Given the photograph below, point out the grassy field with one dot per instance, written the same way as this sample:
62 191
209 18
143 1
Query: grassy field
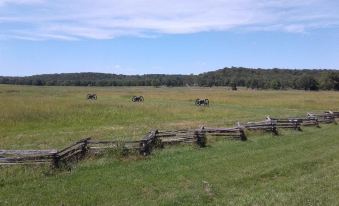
297 168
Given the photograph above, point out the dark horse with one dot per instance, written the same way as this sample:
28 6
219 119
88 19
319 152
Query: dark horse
137 99
202 102
92 96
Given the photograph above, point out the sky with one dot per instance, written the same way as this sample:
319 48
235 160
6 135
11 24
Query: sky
166 36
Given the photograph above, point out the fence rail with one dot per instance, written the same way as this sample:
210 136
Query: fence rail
159 139
10 157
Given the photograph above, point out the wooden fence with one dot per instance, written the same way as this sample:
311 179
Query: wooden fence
159 139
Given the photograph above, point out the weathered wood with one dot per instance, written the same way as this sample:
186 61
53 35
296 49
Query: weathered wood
285 123
335 114
26 159
221 130
70 152
7 161
236 133
177 141
306 122
37 158
148 143
175 131
28 152
111 141
23 163
267 126
225 134
75 144
75 151
25 156
325 118
200 137
176 137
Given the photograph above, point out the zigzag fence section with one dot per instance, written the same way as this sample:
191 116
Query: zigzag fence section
160 139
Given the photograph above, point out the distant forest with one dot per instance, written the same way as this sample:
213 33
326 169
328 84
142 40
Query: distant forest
234 76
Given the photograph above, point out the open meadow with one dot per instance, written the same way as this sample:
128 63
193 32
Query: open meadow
295 168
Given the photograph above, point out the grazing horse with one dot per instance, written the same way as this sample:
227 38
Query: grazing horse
202 102
91 96
137 99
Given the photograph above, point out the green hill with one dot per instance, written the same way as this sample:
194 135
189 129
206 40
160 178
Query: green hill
245 77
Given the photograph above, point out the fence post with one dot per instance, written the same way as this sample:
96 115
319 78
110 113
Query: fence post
274 127
200 137
241 131
147 143
56 160
297 125
84 148
144 149
242 134
157 141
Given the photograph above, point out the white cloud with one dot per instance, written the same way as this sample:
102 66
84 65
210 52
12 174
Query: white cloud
105 19
4 2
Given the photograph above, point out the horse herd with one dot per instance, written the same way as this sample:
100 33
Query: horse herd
198 101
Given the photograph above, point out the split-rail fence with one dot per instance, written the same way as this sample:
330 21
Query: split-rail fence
160 139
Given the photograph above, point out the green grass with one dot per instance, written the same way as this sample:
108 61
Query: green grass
296 168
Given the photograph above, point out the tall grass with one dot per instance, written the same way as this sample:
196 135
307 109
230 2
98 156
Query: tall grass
45 117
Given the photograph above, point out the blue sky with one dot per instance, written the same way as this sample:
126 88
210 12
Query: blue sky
158 36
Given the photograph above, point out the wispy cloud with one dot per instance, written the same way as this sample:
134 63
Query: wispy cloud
3 2
106 19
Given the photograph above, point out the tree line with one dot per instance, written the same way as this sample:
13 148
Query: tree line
235 76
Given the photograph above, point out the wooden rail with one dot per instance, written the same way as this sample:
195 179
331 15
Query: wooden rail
176 137
236 133
9 157
336 114
285 123
28 152
306 121
266 126
325 118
